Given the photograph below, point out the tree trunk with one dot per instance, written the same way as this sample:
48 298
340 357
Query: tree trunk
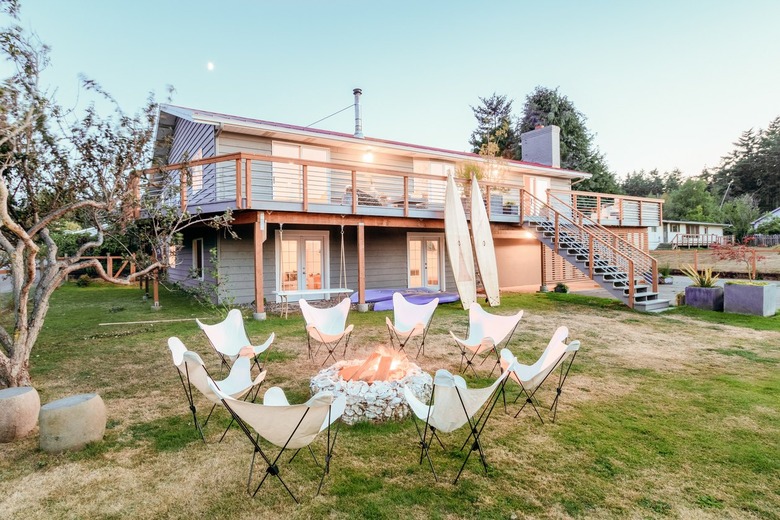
14 373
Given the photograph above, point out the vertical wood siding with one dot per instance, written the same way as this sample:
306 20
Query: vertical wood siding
188 138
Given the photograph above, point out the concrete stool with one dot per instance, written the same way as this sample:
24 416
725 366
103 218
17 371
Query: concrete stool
72 422
19 407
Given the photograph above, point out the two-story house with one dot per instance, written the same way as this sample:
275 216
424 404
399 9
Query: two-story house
317 209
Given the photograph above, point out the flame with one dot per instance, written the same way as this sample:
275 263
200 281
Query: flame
384 364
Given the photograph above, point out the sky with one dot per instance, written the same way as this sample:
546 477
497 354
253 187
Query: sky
663 84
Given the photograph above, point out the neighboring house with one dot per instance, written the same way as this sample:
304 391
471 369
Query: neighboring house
685 233
775 213
301 196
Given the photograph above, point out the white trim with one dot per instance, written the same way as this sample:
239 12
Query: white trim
299 234
201 277
411 235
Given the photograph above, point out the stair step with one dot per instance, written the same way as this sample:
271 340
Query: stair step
652 306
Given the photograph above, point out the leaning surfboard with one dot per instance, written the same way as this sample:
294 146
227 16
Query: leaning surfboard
456 231
484 249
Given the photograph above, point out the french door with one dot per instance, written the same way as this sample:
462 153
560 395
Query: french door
425 260
302 260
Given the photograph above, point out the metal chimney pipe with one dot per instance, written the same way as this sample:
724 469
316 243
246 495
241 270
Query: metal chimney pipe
358 114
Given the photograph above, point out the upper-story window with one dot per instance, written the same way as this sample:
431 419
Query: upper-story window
288 178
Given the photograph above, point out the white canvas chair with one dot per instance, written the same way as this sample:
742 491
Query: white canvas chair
410 321
228 337
486 332
327 327
192 372
530 378
453 405
286 426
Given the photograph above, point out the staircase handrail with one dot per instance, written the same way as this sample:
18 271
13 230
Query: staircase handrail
592 237
628 245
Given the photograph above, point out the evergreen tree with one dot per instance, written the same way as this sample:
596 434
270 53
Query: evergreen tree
546 106
495 128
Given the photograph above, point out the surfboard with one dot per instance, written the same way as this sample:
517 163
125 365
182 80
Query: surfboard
456 232
484 249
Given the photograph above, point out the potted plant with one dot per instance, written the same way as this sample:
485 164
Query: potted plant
749 297
665 275
510 208
703 293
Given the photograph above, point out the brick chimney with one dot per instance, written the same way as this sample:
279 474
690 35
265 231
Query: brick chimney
542 146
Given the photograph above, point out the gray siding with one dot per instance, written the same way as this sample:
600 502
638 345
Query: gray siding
181 273
188 138
386 260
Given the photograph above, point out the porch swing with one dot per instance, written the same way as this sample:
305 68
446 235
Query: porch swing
285 295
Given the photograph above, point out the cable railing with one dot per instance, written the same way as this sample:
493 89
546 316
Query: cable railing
614 210
644 264
567 226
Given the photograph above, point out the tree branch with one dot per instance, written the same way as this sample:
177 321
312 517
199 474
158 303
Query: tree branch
64 210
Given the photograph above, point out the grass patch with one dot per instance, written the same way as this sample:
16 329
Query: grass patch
771 323
653 421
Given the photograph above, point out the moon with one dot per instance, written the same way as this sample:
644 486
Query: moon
210 65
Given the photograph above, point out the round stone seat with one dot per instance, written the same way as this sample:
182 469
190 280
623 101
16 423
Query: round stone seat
19 407
72 422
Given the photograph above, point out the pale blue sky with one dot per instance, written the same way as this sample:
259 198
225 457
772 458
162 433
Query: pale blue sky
664 84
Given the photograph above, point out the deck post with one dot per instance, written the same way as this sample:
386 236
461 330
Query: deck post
248 174
354 192
239 196
260 236
543 286
183 189
156 291
361 246
305 181
406 196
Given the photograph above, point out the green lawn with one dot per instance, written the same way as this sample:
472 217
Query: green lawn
673 415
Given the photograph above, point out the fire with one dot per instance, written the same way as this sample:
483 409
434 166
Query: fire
383 365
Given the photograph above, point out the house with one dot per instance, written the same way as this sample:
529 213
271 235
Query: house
316 209
685 233
775 213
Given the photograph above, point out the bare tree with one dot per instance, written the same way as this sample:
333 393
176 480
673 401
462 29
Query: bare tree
55 164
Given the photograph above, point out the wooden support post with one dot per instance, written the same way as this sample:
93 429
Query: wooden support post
239 194
631 282
557 232
156 290
543 286
354 192
110 266
183 190
361 239
590 256
487 200
258 261
248 175
305 187
406 196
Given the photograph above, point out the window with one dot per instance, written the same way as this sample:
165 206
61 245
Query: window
674 228
693 229
197 171
197 258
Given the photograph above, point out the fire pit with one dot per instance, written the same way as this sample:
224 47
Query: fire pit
374 386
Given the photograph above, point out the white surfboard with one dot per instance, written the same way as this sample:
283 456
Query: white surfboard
456 231
484 249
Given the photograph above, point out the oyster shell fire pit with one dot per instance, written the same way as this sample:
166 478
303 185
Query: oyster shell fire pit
374 386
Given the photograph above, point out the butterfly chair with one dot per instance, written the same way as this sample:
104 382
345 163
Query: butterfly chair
530 378
453 405
486 332
289 427
327 327
410 321
192 372
228 337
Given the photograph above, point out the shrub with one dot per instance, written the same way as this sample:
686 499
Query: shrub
84 281
561 288
700 279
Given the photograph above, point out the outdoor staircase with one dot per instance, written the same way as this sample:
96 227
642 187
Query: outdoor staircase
618 267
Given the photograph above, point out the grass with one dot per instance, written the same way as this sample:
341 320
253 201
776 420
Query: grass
661 417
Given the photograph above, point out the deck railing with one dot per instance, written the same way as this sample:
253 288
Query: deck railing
251 181
700 240
569 222
612 210
644 264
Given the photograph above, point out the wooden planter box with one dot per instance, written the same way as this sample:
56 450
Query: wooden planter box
757 299
706 298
